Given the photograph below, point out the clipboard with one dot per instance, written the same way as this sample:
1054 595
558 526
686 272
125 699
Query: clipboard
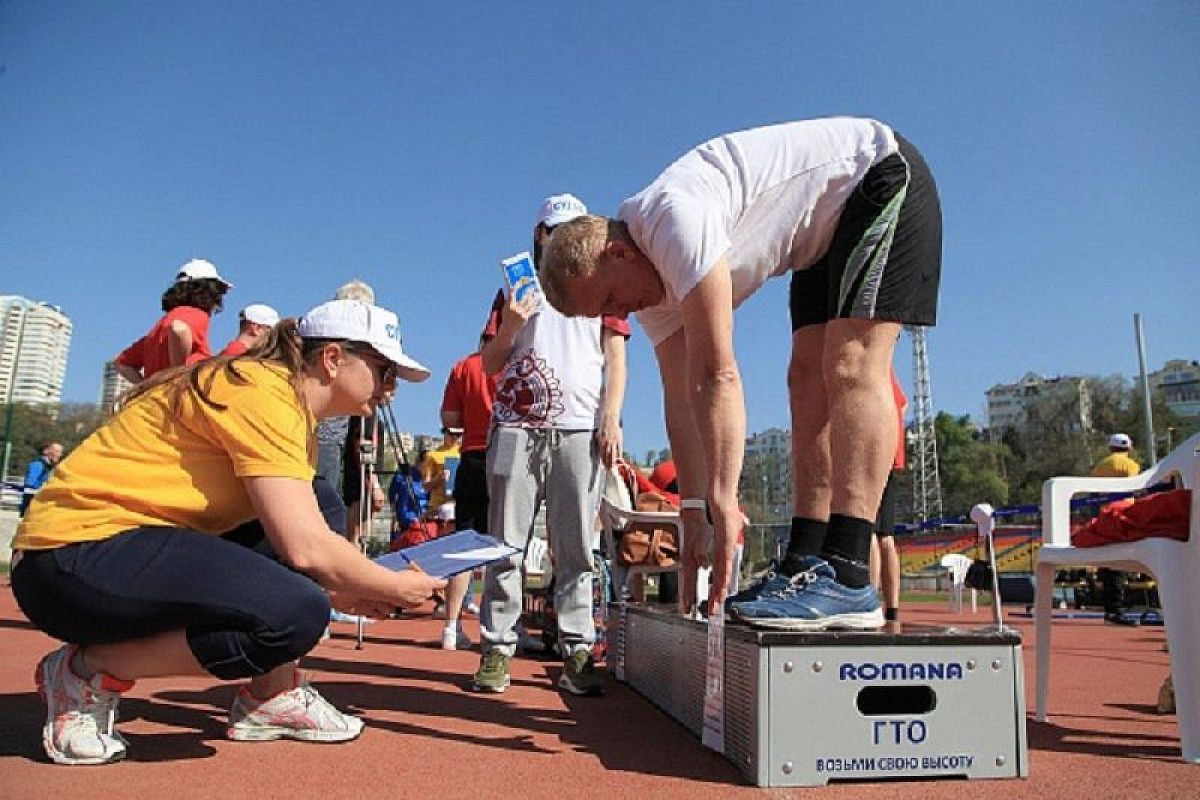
449 555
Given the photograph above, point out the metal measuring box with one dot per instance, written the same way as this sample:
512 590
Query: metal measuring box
807 709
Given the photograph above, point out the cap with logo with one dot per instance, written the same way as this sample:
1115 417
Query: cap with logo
260 314
1120 441
560 208
362 322
198 269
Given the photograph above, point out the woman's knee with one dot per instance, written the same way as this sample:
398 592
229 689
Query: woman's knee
269 643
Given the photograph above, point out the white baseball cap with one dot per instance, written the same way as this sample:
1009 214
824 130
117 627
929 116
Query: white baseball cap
362 322
1120 440
559 208
199 269
260 314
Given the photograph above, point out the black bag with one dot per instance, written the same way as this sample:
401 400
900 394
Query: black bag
979 573
979 576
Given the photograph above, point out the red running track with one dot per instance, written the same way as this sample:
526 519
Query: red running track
428 736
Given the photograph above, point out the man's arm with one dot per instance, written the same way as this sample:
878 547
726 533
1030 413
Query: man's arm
131 374
714 393
179 342
688 454
513 317
615 375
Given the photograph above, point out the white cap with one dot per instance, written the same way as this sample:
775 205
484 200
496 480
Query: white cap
559 208
445 512
362 322
199 269
260 314
1120 441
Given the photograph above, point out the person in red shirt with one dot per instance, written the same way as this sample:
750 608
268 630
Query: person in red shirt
254 321
467 409
181 335
885 558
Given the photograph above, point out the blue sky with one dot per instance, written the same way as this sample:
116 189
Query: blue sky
299 144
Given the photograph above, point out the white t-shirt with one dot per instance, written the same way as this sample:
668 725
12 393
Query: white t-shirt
554 376
768 199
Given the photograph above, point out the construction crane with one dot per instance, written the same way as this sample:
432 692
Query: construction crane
927 489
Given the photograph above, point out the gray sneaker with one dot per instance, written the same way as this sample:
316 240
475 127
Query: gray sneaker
579 675
492 675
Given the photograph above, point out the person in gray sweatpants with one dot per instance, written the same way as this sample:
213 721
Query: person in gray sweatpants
555 423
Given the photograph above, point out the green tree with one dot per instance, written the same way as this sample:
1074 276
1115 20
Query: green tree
969 466
33 426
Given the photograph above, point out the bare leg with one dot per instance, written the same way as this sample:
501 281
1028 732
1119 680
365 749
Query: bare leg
456 591
167 654
876 567
811 471
889 563
862 413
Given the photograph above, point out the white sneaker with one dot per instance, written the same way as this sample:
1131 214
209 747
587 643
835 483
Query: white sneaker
79 714
299 713
472 609
353 619
456 639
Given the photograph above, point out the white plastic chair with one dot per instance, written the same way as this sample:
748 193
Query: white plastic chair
614 519
537 557
958 564
1175 566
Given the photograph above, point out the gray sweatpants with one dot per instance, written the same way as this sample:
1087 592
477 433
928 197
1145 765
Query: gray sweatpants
526 467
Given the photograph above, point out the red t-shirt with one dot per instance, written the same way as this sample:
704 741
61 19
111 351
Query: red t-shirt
150 353
235 348
469 392
901 403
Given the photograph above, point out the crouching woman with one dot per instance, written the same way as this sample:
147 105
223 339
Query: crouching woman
185 537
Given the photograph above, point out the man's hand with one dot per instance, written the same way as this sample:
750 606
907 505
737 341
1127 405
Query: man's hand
608 439
727 523
517 312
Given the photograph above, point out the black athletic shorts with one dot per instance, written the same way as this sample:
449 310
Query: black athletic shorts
885 522
885 258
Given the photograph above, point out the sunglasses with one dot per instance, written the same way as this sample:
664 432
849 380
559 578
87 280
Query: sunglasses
384 369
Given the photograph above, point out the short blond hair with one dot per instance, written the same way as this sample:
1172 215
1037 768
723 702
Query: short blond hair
355 290
572 252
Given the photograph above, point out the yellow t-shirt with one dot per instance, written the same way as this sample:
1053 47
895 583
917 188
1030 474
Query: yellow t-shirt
1116 465
149 466
433 468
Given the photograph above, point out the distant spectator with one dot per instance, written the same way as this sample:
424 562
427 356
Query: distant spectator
440 466
39 471
181 335
254 321
333 433
467 407
885 558
1118 463
408 497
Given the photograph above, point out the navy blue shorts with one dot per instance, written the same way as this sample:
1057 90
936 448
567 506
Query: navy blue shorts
244 613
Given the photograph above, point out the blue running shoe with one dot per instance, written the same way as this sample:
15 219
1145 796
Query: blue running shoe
770 581
813 600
